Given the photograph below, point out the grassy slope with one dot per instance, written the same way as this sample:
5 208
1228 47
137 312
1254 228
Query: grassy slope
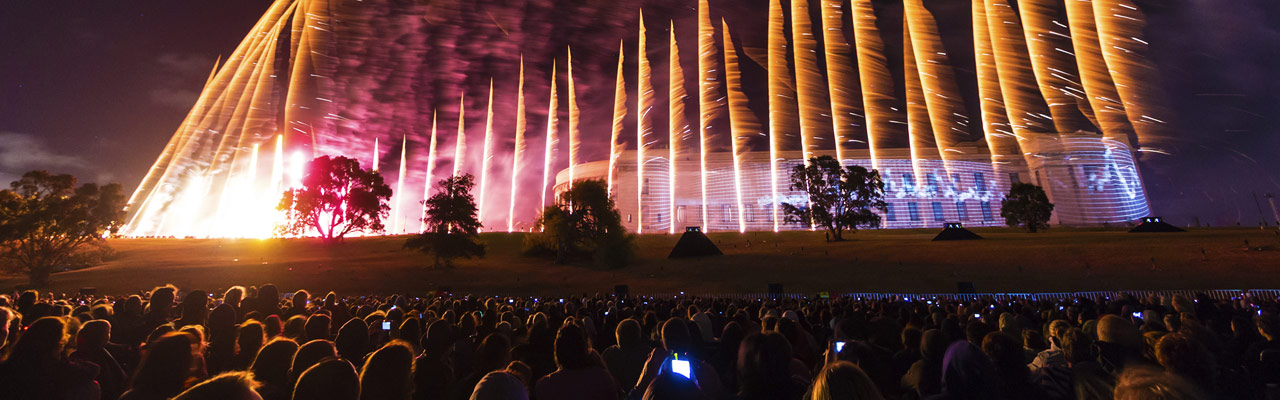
898 260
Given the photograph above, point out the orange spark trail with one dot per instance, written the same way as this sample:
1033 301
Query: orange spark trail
919 128
741 121
619 113
1000 139
553 123
1120 25
644 127
575 137
941 96
460 145
839 58
782 105
810 94
1027 110
431 167
877 83
678 126
487 156
1108 111
518 151
709 100
1049 46
397 224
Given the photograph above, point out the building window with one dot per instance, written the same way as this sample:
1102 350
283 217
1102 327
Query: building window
961 212
932 180
643 212
1013 178
909 182
937 212
979 181
680 217
646 186
726 213
888 213
986 211
749 216
913 211
955 182
628 217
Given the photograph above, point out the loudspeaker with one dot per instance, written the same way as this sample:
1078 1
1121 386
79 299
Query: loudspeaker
775 288
965 287
621 290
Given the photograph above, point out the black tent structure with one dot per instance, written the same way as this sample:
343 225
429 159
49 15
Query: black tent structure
694 243
954 231
1155 225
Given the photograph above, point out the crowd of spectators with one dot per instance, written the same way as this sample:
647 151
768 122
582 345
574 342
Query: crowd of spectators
255 343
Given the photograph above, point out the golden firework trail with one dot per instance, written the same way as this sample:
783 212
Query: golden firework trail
709 100
431 167
575 136
841 77
553 125
742 121
1108 112
396 223
460 145
1120 25
277 168
995 122
941 95
1049 47
487 156
1027 110
782 99
518 151
644 126
810 94
678 126
619 114
919 129
876 81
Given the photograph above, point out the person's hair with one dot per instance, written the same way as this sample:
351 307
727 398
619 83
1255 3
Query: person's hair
300 295
764 361
296 328
499 385
1114 329
1186 357
1006 353
271 366
933 345
493 354
249 337
93 334
675 336
1076 346
309 354
388 373
628 333
1150 384
1057 328
330 379
42 342
162 296
843 380
234 385
166 365
572 347
911 337
317 327
438 339
353 339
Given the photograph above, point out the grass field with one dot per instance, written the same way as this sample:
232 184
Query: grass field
879 261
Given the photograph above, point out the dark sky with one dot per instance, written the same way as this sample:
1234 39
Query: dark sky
96 88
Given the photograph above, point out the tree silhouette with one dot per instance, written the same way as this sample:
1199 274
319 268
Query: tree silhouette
1026 205
584 223
840 197
337 197
452 226
45 219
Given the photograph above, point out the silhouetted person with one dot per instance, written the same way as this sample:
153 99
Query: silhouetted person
580 373
165 368
235 385
330 379
271 367
842 380
35 368
764 368
91 347
625 360
432 376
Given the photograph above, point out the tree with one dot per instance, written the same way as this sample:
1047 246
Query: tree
583 224
840 197
337 197
452 225
45 219
1026 205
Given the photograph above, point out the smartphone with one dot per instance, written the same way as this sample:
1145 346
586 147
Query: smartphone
978 316
561 300
839 346
1137 314
386 325
681 367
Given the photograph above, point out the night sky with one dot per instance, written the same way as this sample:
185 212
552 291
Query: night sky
96 88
